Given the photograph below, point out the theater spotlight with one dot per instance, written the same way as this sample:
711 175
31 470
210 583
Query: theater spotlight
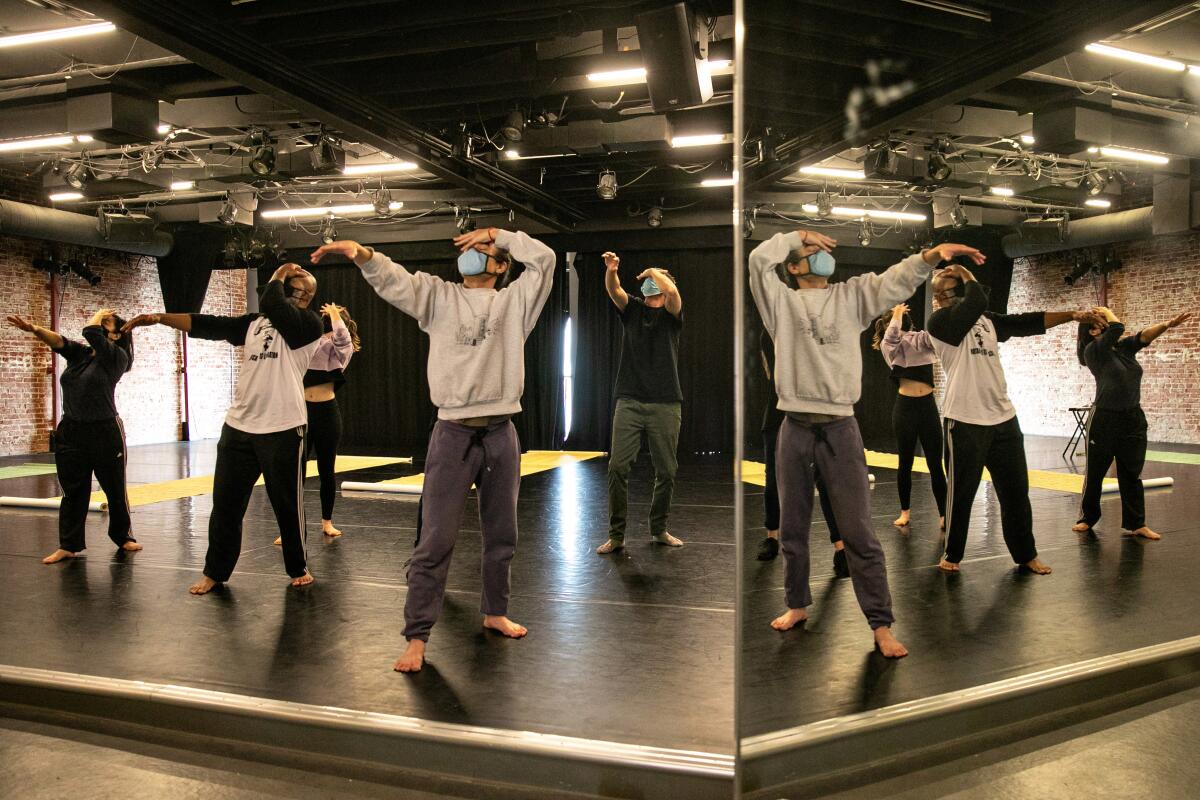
262 162
824 205
513 128
655 217
864 234
77 175
937 168
749 217
1082 267
80 268
383 203
327 157
606 187
1096 181
231 254
958 215
328 233
227 215
466 223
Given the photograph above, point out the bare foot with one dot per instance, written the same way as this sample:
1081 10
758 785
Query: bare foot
1037 567
667 539
1081 527
789 619
947 566
888 645
203 586
1146 533
131 547
303 580
58 555
505 626
611 546
942 523
328 529
413 658
902 520
278 541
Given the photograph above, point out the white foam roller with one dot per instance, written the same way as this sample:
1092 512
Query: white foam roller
1147 483
44 502
391 488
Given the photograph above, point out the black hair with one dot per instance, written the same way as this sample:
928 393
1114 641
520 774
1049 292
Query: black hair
1083 339
502 256
881 325
786 276
125 342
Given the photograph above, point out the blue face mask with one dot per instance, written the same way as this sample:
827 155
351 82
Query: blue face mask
472 262
650 288
821 264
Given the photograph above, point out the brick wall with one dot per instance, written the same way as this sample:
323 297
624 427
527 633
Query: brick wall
1157 281
150 396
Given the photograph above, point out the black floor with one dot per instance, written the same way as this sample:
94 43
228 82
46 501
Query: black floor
1108 593
636 648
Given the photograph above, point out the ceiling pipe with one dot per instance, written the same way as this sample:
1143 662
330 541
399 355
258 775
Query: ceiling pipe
53 225
51 77
1120 226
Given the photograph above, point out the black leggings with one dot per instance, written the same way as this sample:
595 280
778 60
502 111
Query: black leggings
1120 435
916 418
771 490
324 431
81 449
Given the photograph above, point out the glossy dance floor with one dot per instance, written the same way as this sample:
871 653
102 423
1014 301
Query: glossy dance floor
1108 594
636 648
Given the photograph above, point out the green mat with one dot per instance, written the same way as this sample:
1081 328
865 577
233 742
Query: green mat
26 470
1172 458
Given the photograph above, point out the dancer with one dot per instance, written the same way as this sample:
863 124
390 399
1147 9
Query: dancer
818 374
915 413
477 331
91 437
648 398
265 426
768 548
322 382
981 424
1117 425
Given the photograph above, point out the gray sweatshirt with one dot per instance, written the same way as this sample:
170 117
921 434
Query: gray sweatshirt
476 336
818 360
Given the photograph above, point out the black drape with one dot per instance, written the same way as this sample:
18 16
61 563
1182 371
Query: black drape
183 274
705 347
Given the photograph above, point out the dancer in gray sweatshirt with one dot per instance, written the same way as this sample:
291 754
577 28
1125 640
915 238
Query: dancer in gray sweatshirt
818 377
477 331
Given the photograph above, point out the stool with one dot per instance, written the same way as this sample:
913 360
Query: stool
1080 415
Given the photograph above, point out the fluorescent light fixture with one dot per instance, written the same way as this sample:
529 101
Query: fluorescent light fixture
872 213
36 37
1093 149
378 169
63 197
1096 202
700 139
1140 58
719 64
322 211
1002 191
1195 70
164 129
182 186
717 182
635 75
1134 155
36 144
1027 139
515 155
835 172
85 138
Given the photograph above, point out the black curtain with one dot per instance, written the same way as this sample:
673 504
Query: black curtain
183 274
705 347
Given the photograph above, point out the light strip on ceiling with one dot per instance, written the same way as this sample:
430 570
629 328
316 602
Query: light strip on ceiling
701 139
1134 155
872 213
182 186
618 77
1140 58
710 182
37 37
1002 191
44 141
835 172
1096 202
65 197
378 169
322 211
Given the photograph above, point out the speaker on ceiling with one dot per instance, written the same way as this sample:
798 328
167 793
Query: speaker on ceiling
677 73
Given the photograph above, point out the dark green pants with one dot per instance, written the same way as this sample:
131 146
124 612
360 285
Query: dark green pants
660 421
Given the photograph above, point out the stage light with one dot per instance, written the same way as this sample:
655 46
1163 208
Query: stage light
326 156
1082 267
749 217
870 213
65 197
1140 58
58 34
655 218
1134 155
864 234
465 223
36 144
77 175
958 214
1001 191
164 129
513 128
328 232
231 254
383 203
1096 181
835 172
606 186
635 75
227 215
1096 202
182 186
320 211
1027 139
383 168
936 167
262 162
80 268
700 140
824 205
710 182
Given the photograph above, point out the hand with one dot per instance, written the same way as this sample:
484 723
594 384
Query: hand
611 261
475 240
648 273
22 324
898 311
1174 323
288 271
332 310
1091 317
813 241
960 272
1105 314
99 317
949 252
141 321
344 247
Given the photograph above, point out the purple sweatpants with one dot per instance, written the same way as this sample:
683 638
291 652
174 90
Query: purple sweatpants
459 456
836 448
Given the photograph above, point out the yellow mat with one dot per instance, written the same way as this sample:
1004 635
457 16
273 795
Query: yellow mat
147 493
754 472
531 462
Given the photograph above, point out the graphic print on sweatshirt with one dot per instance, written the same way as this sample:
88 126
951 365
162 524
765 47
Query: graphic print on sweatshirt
978 330
476 333
263 328
821 334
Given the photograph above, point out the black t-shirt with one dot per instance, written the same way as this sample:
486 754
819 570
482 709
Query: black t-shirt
922 373
649 354
90 380
1113 361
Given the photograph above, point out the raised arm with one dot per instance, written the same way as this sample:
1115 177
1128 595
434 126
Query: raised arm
199 326
112 358
880 291
950 324
341 343
612 281
46 336
673 302
412 293
904 349
765 285
298 326
1148 335
536 281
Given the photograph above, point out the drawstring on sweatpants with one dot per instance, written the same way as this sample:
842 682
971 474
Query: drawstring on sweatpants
819 435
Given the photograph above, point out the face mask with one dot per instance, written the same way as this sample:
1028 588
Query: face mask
650 288
472 262
821 264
